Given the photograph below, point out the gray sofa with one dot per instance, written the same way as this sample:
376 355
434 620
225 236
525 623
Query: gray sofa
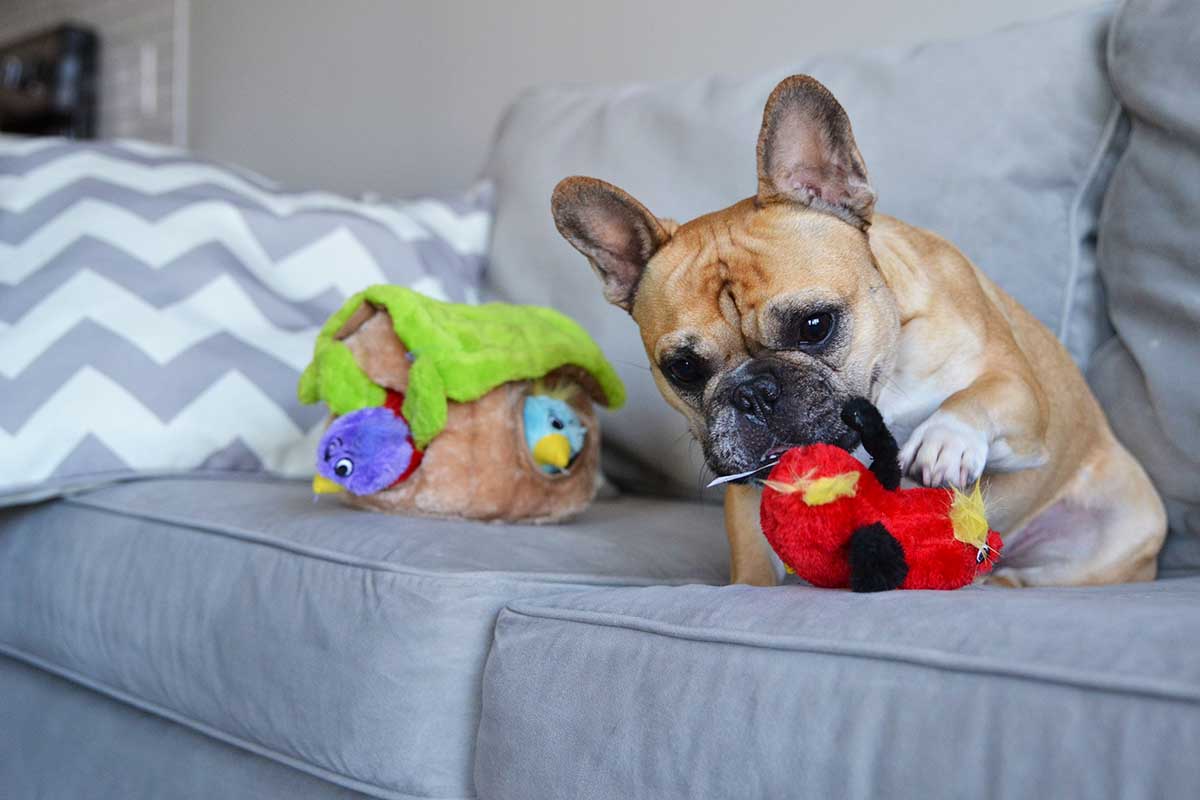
198 637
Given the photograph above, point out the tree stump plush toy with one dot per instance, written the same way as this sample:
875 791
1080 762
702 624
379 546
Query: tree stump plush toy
452 410
836 523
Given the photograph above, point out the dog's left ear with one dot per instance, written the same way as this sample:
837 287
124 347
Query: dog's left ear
807 153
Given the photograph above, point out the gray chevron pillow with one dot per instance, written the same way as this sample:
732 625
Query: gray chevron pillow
156 310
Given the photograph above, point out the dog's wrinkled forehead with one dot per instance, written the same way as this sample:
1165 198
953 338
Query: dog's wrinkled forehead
727 277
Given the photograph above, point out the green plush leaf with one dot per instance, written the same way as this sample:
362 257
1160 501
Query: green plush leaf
460 353
335 377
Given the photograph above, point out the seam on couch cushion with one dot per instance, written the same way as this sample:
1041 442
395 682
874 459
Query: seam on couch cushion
900 654
345 559
85 482
1110 49
1087 185
215 733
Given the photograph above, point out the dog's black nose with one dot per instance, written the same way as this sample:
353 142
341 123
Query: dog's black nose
756 396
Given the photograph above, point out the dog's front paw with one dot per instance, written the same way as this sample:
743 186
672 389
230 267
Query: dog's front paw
945 451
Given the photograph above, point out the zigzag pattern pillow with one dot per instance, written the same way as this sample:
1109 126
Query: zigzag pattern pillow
156 310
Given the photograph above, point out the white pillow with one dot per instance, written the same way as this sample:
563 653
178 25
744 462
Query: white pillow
156 310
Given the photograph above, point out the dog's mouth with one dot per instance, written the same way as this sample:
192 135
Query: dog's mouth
773 454
770 457
847 441
743 477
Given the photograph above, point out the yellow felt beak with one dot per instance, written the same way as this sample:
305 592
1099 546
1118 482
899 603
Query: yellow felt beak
552 450
322 485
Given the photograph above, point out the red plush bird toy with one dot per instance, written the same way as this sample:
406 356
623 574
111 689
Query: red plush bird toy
838 524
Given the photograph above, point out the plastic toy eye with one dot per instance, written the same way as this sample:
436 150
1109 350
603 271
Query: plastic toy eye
343 468
557 424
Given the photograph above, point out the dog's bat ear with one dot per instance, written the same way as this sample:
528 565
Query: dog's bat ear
616 233
807 153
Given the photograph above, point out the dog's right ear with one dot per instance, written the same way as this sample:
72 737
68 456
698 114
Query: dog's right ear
616 233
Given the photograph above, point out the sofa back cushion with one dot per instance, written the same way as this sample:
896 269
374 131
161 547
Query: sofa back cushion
1001 144
156 310
1149 255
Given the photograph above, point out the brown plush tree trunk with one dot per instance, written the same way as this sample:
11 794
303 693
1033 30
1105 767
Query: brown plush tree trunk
479 466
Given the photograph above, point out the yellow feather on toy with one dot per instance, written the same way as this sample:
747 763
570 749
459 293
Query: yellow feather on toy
968 517
826 490
819 491
559 390
798 483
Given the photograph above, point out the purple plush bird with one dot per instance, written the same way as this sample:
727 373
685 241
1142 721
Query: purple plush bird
364 452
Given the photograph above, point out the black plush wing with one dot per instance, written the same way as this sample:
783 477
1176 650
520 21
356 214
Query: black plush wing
864 418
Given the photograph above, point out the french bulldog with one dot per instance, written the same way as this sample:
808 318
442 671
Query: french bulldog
762 319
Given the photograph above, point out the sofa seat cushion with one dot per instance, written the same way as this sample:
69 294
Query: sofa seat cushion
344 643
793 691
123 753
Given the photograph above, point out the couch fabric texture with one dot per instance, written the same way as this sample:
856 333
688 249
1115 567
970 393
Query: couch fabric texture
115 750
1076 694
1149 255
168 291
345 644
1020 197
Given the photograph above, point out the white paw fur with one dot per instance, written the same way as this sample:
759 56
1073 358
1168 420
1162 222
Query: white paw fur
945 451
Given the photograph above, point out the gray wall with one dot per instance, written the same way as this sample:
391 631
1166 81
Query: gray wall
143 43
401 97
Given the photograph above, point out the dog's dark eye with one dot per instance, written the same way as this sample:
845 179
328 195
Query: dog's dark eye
815 328
685 370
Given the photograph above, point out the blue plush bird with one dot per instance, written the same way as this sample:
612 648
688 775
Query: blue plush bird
553 432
